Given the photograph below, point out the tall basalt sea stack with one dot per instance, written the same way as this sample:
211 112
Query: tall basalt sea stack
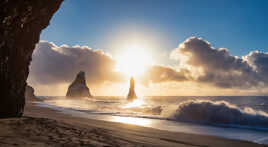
79 87
131 94
21 22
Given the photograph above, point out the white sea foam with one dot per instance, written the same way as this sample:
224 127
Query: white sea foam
219 112
216 112
245 117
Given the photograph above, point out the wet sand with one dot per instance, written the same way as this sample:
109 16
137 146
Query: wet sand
43 127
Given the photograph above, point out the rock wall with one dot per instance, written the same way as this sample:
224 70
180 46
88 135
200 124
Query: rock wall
21 22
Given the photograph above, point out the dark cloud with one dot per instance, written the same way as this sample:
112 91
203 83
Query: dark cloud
218 67
259 62
52 64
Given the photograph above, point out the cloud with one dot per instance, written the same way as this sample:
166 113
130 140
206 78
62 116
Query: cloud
259 62
52 64
160 73
198 63
216 66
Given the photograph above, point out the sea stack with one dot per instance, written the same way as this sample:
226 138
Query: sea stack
131 94
79 88
29 93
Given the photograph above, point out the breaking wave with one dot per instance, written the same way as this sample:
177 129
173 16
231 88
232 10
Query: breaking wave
220 113
211 112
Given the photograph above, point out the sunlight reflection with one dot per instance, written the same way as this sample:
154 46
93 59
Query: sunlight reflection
136 103
132 120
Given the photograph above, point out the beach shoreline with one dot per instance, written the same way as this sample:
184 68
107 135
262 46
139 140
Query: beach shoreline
42 126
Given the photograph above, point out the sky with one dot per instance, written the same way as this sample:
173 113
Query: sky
163 28
237 25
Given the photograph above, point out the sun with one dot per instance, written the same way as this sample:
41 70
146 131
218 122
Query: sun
134 61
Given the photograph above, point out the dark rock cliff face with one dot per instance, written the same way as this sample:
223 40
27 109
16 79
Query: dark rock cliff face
131 94
21 22
79 87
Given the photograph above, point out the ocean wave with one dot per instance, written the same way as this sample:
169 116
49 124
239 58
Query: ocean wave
221 113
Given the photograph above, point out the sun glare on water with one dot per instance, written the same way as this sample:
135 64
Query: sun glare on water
134 61
132 120
135 103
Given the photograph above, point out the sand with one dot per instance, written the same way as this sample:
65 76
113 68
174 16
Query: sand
42 127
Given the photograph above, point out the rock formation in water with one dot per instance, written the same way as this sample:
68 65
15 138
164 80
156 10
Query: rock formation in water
155 111
29 94
79 87
21 22
131 93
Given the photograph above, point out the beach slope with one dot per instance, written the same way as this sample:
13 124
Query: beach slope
42 127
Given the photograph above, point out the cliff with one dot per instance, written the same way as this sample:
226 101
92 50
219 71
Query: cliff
79 88
21 22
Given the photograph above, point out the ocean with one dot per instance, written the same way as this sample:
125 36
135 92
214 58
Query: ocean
234 117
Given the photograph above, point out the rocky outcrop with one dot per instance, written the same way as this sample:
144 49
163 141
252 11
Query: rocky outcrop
29 94
21 22
79 87
155 111
131 94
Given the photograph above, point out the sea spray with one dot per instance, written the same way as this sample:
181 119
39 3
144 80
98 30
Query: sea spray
109 108
216 112
219 112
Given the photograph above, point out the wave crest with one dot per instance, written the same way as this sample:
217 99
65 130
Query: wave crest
219 112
